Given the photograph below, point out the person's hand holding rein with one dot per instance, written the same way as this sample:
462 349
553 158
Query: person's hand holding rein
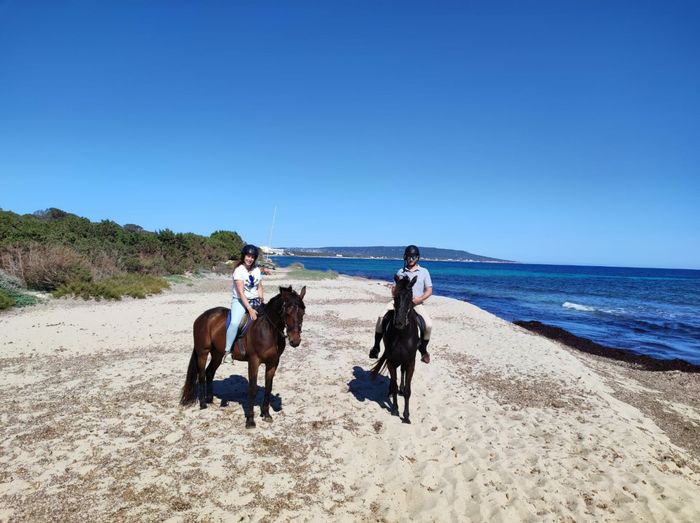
253 313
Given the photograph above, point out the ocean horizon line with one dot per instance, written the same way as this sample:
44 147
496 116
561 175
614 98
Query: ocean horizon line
493 262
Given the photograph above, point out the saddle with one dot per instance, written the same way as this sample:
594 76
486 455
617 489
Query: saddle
244 325
388 323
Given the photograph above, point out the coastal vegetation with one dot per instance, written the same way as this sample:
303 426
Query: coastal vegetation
57 252
299 272
304 274
114 287
13 293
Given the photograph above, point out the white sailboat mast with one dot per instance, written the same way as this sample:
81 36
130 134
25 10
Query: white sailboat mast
272 227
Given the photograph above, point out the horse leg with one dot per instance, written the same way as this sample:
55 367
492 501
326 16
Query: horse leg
216 358
201 379
269 376
253 365
393 389
403 381
407 392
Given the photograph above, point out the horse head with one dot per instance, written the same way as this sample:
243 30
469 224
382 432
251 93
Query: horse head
293 313
403 300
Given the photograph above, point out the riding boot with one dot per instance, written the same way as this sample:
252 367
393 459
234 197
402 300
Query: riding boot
424 356
374 353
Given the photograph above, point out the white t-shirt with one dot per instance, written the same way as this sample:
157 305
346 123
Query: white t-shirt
250 281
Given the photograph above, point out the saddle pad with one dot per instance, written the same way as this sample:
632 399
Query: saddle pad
242 327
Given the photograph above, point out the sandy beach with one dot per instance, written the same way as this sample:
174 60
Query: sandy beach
507 425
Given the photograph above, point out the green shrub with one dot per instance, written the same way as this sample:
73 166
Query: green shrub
227 242
23 299
12 287
130 247
6 301
9 283
296 265
114 287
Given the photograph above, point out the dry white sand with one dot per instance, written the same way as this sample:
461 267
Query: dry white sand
507 426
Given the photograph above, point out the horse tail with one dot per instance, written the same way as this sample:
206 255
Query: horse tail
189 389
378 367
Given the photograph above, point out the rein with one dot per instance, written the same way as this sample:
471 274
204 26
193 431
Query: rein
267 317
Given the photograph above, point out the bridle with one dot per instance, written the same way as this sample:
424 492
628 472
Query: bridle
408 309
283 316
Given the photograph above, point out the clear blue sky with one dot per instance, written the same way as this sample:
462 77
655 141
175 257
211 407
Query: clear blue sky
544 132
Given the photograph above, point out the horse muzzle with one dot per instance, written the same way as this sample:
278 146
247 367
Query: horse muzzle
294 338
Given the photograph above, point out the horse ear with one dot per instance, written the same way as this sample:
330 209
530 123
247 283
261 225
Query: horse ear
285 290
413 281
303 292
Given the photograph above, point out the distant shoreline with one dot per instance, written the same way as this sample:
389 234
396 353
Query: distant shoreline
384 258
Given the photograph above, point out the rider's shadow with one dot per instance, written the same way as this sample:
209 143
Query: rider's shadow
364 388
235 389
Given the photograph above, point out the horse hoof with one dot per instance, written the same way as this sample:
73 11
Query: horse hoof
202 406
267 418
210 400
407 421
250 424
394 412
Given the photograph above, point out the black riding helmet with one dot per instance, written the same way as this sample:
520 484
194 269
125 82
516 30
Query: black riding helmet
411 250
249 249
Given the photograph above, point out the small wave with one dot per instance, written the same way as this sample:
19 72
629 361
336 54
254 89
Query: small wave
578 307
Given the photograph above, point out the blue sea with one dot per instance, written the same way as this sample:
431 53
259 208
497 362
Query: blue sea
649 311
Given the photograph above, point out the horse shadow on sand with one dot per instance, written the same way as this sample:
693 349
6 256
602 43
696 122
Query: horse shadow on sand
364 388
235 389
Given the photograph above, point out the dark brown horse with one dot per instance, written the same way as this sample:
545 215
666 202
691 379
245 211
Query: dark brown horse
401 340
264 342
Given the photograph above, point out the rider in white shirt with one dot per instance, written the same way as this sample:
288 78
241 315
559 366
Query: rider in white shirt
247 292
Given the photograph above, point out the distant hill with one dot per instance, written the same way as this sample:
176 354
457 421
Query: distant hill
428 253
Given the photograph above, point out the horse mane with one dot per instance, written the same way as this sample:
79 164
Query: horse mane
276 303
294 295
273 303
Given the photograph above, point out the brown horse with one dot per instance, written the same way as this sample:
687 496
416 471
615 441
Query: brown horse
401 340
264 342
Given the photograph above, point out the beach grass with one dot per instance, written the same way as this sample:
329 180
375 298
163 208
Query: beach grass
180 279
13 293
115 287
303 274
6 301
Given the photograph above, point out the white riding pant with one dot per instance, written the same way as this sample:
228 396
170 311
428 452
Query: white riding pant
237 313
420 310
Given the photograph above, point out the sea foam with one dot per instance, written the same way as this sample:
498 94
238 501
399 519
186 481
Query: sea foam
578 307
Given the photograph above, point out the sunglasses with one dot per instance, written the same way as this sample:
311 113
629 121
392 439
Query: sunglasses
412 257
